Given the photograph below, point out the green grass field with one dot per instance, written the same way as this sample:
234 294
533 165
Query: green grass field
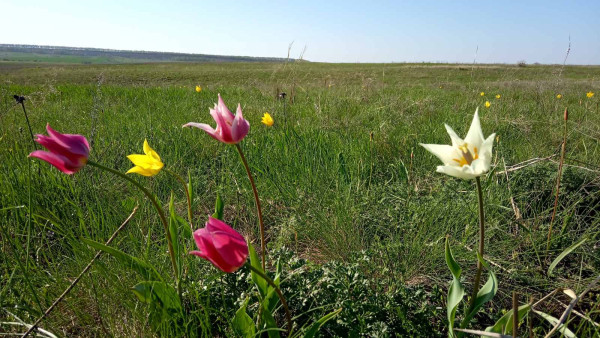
353 206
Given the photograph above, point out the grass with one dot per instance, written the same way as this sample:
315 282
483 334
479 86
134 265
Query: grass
345 179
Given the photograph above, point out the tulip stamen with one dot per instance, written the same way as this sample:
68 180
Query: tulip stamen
467 157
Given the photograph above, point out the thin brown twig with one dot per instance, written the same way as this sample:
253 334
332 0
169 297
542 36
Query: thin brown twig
68 289
525 163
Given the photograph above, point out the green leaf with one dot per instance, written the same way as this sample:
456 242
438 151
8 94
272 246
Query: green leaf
456 292
562 328
173 231
314 328
157 293
146 270
484 295
271 298
505 323
563 255
190 187
260 283
270 323
242 322
218 208
452 265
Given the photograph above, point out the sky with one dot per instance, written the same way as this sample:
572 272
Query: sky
327 31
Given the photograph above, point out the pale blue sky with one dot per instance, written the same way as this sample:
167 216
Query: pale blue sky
332 31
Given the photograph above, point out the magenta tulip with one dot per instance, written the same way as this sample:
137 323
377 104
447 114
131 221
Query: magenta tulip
221 245
67 152
230 129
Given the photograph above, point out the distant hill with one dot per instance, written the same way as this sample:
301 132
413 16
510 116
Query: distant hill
55 54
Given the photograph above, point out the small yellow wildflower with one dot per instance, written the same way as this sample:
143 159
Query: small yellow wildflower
146 165
482 94
589 94
497 96
198 89
487 104
267 120
559 96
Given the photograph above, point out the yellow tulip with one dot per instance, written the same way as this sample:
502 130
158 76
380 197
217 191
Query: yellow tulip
267 119
146 165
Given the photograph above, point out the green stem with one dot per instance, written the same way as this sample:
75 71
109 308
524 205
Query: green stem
154 203
288 315
258 208
481 245
187 195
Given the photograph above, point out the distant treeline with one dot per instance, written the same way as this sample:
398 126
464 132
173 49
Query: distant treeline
138 56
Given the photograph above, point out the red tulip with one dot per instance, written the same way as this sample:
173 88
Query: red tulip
230 129
218 243
67 152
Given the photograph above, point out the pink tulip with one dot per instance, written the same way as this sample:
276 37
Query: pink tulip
67 152
221 245
230 129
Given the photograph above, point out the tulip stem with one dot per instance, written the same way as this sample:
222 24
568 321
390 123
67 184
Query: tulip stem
288 315
258 208
481 245
154 203
187 194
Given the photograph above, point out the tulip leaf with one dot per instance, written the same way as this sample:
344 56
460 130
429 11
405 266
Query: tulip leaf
218 208
157 293
243 323
314 328
269 323
563 255
271 298
146 270
552 320
260 283
173 227
456 292
484 295
452 265
190 188
504 325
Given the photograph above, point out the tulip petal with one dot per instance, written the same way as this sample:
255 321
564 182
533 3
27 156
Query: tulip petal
240 127
143 161
480 166
223 126
456 141
61 163
474 136
208 129
227 115
141 171
73 143
445 153
207 250
464 172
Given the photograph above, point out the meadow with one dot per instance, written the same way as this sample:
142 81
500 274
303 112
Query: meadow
354 209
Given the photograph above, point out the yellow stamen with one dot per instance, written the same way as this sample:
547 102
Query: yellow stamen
467 157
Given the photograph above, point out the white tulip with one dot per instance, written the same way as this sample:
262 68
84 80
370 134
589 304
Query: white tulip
468 158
